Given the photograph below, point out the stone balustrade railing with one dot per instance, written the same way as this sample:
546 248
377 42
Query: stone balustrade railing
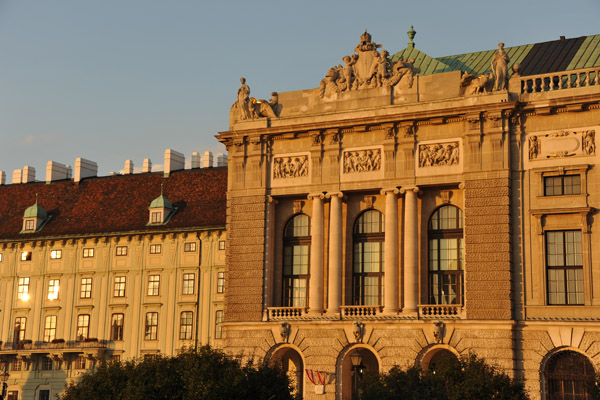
360 311
62 345
440 311
560 80
284 313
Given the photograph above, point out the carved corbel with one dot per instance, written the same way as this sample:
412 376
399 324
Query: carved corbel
333 135
439 331
285 329
298 206
358 330
368 202
317 138
408 130
584 222
445 196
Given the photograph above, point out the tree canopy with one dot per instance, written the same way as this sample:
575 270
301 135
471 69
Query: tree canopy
452 379
202 374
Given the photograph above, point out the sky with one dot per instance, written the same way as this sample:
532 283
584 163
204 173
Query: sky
114 80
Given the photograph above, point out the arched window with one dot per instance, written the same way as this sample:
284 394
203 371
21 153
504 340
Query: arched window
446 261
367 272
296 245
568 375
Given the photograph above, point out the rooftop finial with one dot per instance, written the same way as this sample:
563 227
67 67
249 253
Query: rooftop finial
411 35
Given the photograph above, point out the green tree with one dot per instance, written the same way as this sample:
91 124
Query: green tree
193 375
470 378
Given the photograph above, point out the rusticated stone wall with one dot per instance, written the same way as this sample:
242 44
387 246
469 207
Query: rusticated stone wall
487 249
245 258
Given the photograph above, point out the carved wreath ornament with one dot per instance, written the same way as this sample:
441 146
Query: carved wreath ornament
290 167
439 154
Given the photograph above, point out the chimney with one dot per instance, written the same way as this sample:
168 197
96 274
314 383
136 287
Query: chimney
85 169
2 178
221 160
17 174
28 174
147 166
207 160
128 169
56 171
174 161
196 160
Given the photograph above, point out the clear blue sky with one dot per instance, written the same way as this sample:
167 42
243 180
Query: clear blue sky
111 80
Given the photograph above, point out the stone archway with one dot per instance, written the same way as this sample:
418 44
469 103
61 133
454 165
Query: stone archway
567 374
292 363
356 362
432 356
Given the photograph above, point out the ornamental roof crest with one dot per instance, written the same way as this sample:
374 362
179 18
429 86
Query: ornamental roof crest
367 68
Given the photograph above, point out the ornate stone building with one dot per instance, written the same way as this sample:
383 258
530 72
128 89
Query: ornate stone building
102 268
412 208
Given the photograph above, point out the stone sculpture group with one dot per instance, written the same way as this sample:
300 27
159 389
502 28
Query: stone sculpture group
362 161
438 154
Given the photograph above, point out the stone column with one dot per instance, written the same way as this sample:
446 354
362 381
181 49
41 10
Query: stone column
270 258
315 294
411 251
334 299
390 303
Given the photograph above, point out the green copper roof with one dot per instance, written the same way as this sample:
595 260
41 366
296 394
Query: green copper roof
161 202
35 211
538 58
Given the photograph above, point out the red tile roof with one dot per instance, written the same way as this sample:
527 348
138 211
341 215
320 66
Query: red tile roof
116 204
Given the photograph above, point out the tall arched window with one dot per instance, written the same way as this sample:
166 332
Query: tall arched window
296 245
367 272
446 261
568 375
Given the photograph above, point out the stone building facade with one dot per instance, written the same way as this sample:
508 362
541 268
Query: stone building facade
413 208
97 269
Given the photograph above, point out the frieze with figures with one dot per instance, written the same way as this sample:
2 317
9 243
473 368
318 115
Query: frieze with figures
560 144
294 166
367 160
439 154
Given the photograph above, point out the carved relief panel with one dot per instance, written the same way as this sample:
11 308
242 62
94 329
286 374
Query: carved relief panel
439 157
565 147
364 163
290 169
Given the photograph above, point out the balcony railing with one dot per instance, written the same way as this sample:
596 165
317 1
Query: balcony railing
285 313
59 345
560 80
445 311
360 311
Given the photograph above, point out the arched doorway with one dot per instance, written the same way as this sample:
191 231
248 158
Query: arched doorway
568 374
292 363
357 364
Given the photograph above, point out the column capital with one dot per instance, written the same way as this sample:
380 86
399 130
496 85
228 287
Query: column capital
313 196
407 189
329 195
393 190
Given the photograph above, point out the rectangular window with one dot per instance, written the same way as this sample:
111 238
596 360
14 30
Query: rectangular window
116 327
80 362
16 365
0 257
23 289
26 256
13 394
46 363
20 325
218 327
44 394
189 282
86 288
564 264
220 282
221 245
121 251
186 325
30 225
151 329
88 253
562 185
155 249
189 247
83 327
56 254
156 217
53 288
153 285
50 328
119 288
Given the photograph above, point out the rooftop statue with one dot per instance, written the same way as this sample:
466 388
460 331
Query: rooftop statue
500 67
366 69
250 108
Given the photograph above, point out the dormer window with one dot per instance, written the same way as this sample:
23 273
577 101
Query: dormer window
34 218
161 210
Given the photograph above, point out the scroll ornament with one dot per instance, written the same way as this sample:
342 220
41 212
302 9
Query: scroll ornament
439 154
